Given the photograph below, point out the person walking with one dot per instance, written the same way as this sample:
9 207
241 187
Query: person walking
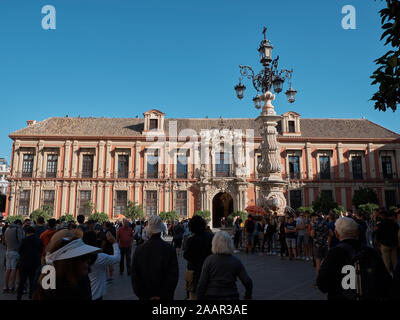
237 233
125 241
13 238
301 231
30 252
220 272
387 239
282 238
98 271
71 258
373 278
320 233
155 270
178 232
198 248
47 235
291 235
249 228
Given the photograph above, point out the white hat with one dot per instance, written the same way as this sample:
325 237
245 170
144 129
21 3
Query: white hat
75 248
155 225
347 228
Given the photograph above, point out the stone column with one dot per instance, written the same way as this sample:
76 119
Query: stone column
137 186
309 161
72 204
340 160
99 197
137 161
107 198
74 166
39 164
371 161
166 160
64 198
36 202
67 154
11 205
100 171
108 159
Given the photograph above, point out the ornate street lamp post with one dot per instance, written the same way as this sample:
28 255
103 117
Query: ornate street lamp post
271 184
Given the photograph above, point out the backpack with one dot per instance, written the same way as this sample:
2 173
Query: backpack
250 226
366 264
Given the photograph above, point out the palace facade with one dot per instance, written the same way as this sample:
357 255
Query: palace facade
193 164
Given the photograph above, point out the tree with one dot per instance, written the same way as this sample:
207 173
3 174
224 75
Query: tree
41 213
169 216
206 215
367 208
388 73
67 218
100 217
134 211
90 206
241 214
304 209
363 196
11 219
324 203
339 210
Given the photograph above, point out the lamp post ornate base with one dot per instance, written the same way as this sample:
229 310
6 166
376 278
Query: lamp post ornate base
271 184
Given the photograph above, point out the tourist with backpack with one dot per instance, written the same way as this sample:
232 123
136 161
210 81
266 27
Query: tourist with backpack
373 281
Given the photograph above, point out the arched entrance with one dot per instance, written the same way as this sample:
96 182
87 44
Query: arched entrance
222 207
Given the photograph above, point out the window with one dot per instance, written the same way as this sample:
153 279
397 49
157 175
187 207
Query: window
390 198
51 166
291 126
294 167
27 166
325 167
24 198
387 167
152 165
48 199
181 203
151 203
222 165
153 124
181 166
279 127
85 198
123 166
357 167
87 166
295 199
121 202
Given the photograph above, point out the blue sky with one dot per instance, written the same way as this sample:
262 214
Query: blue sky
119 58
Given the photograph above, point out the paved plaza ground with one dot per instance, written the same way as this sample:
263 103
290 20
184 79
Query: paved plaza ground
273 279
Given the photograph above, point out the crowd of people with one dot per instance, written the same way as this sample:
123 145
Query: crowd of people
83 255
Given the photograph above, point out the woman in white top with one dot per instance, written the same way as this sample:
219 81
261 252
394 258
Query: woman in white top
98 271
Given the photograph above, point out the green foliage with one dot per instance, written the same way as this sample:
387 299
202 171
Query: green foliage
169 216
363 196
206 215
100 217
90 206
11 219
324 203
339 210
134 211
387 76
304 209
241 214
40 213
67 218
367 208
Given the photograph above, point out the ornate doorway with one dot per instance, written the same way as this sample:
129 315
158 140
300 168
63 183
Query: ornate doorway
222 207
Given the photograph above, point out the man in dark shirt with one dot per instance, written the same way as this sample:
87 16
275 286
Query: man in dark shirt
330 276
155 270
387 237
30 252
363 227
